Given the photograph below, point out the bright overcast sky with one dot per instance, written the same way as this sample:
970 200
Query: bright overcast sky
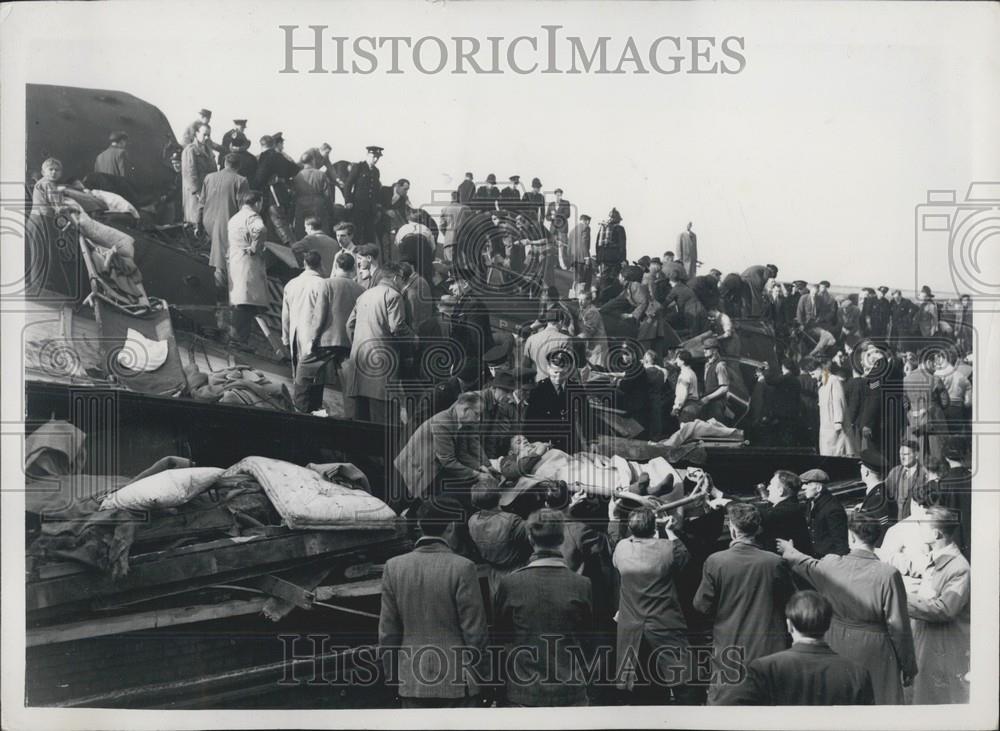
813 157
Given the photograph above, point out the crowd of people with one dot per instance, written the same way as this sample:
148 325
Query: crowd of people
806 605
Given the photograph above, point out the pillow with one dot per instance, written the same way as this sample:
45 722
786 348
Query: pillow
166 489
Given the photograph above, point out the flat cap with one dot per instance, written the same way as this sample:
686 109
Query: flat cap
240 122
824 282
800 283
205 112
514 178
814 476
375 149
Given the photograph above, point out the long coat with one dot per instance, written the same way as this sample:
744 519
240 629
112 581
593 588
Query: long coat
579 243
785 520
871 625
649 606
744 589
827 523
440 449
562 418
533 604
687 252
431 597
314 312
558 215
363 187
901 319
755 277
221 195
376 325
880 314
197 161
939 614
854 394
466 189
247 270
926 319
806 674
832 406
612 244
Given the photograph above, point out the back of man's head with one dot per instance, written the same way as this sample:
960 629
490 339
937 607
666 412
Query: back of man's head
435 515
546 528
485 496
944 520
745 519
865 528
810 613
313 260
345 262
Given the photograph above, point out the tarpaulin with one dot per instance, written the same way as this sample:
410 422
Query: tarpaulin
122 354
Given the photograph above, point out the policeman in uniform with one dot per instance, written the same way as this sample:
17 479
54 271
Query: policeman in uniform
511 192
362 191
557 408
239 130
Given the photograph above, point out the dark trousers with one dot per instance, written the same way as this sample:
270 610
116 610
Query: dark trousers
243 321
364 227
374 410
311 377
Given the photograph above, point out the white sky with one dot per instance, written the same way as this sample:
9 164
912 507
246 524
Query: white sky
812 158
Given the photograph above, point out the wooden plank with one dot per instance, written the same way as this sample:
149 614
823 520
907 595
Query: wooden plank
202 561
143 620
368 587
184 693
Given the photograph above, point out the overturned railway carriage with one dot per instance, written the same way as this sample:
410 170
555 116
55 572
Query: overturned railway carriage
192 604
